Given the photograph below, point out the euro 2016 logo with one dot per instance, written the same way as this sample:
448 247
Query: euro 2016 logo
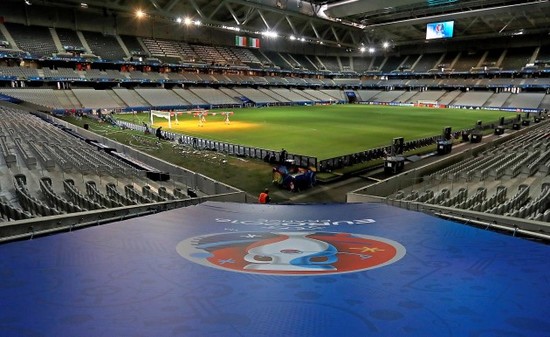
291 253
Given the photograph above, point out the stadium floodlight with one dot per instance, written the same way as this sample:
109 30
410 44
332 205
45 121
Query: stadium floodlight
236 29
197 22
268 33
371 50
385 45
179 20
140 13
519 32
292 37
302 39
362 49
187 21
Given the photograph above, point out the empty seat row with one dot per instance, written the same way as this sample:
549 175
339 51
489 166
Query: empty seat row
134 195
113 193
29 203
56 201
474 200
9 212
78 198
94 194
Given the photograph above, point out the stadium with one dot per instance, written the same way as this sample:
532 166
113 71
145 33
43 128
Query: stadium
405 147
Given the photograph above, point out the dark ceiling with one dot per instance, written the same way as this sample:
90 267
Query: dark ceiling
347 23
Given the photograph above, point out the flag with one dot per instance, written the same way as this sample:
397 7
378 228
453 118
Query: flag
240 41
254 42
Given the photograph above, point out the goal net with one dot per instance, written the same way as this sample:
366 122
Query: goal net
167 115
427 104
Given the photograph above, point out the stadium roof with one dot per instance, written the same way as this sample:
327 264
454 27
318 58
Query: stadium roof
346 23
405 20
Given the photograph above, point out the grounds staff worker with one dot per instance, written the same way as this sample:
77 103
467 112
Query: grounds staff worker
264 197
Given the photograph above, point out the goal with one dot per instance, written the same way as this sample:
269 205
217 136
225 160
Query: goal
427 104
167 115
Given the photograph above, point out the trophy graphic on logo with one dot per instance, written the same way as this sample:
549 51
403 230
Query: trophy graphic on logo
297 252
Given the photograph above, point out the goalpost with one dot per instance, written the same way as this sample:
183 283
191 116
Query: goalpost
200 113
161 114
167 115
427 103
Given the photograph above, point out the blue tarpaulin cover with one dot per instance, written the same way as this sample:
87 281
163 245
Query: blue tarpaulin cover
228 269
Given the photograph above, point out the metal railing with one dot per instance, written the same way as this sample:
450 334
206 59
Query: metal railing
327 165
227 148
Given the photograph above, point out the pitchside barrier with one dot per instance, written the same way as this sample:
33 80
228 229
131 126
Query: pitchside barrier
228 148
496 108
325 165
330 164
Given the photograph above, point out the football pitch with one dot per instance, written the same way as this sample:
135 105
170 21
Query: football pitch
323 131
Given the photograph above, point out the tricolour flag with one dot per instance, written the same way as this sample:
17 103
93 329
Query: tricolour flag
240 41
254 42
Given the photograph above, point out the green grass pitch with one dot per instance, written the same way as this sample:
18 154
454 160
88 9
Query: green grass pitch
325 131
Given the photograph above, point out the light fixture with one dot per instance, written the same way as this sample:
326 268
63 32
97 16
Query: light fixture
28 2
197 22
187 21
292 37
236 29
371 50
519 32
362 49
140 13
83 5
268 33
179 20
385 45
